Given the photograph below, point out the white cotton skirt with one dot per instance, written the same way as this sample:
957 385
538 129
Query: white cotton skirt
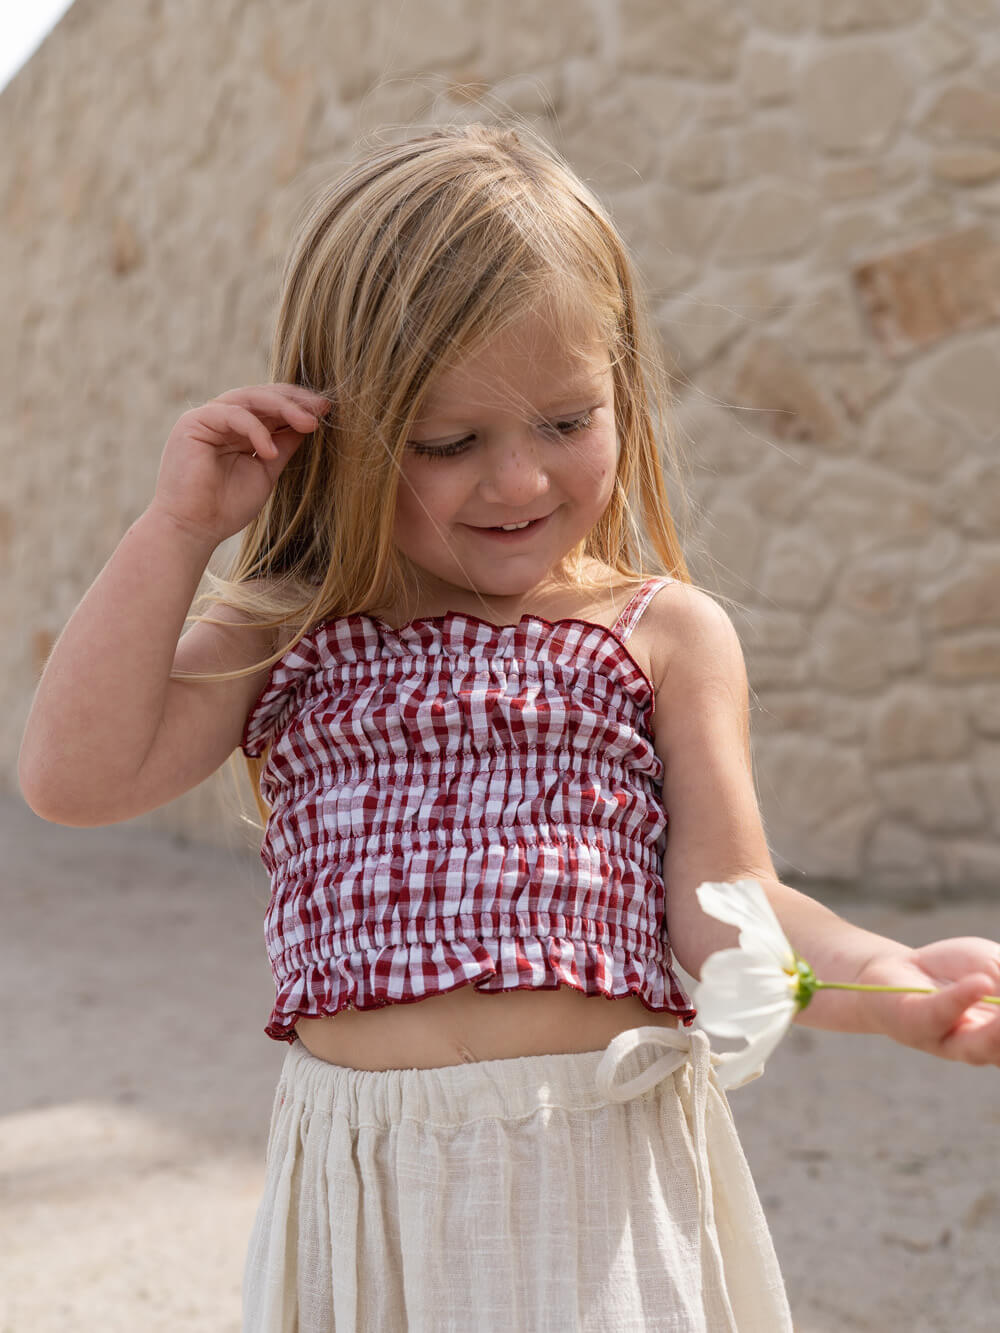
605 1192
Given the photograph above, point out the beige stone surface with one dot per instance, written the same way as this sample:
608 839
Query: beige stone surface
138 1082
810 192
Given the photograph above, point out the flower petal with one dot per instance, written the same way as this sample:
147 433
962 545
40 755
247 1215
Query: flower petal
740 993
734 1068
743 903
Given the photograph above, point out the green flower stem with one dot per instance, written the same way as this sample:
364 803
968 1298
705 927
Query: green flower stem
894 990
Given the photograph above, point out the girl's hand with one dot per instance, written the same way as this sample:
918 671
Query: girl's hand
210 482
949 1024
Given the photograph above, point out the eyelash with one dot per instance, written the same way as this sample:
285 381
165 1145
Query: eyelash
460 446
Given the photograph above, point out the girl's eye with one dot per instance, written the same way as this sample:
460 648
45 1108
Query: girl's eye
577 423
569 427
441 450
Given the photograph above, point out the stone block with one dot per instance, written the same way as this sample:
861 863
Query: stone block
984 708
733 537
971 656
937 797
767 74
666 230
853 96
692 39
777 671
845 654
774 221
960 384
843 16
986 766
514 37
963 112
968 599
858 385
922 294
967 166
771 149
877 585
796 570
826 324
940 47
913 443
720 108
861 508
700 161
784 16
594 146
898 847
703 322
816 802
932 207
914 722
853 182
777 711
850 237
781 486
781 395
971 867
976 13
713 440
774 631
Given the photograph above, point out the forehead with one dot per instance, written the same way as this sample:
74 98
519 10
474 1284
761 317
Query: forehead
530 360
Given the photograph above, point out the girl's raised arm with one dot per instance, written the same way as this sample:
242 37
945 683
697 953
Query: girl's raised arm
109 735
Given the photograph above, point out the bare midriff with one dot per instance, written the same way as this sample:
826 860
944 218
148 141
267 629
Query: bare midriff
464 1025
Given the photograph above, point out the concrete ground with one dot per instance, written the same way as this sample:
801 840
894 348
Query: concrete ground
137 1087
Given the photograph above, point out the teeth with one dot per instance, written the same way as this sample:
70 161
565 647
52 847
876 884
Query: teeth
513 527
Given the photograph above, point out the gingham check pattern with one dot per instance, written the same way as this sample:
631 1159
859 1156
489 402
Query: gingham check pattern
457 802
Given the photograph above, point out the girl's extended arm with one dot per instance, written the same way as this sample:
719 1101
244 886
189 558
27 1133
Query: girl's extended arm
109 735
701 725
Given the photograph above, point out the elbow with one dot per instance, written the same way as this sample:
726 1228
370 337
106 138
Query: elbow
44 801
51 812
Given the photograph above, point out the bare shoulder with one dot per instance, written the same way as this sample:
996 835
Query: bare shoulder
685 630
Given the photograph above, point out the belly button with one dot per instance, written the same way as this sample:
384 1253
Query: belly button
467 1057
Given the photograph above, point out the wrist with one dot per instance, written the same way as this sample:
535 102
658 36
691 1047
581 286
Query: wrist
836 1006
201 543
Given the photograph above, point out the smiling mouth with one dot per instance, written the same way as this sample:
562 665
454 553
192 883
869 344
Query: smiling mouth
520 527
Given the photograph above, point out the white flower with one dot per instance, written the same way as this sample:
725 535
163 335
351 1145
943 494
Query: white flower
753 991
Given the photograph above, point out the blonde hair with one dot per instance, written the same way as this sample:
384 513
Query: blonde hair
421 252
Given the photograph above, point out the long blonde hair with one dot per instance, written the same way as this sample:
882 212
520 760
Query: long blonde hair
421 252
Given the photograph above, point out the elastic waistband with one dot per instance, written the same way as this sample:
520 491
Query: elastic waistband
630 1066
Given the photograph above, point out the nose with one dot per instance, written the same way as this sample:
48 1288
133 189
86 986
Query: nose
514 471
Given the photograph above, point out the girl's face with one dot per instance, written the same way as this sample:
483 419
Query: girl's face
521 429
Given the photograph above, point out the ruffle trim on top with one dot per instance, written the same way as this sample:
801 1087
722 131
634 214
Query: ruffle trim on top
364 638
406 973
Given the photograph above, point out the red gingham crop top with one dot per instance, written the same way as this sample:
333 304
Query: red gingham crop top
457 802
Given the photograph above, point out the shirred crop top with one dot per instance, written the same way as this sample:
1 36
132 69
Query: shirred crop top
456 802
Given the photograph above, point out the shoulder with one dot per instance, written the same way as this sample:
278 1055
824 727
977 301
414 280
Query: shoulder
701 701
689 635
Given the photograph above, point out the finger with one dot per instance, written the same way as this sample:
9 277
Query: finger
950 1006
276 411
273 396
232 424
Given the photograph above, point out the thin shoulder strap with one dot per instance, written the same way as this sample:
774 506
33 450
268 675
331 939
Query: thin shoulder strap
630 617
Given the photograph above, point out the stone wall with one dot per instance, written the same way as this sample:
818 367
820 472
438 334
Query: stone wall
812 191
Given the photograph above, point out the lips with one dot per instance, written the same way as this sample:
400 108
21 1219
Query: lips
495 527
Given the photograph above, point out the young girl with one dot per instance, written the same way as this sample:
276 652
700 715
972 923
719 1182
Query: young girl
461 651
